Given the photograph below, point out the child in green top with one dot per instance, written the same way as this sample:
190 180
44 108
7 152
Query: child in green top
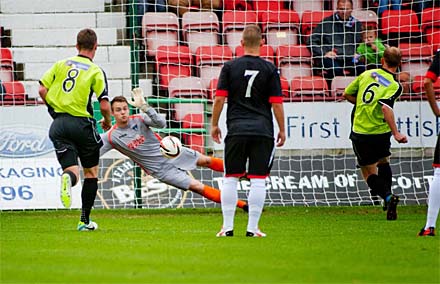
372 48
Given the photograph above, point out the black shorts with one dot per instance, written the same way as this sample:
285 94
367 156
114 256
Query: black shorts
369 149
73 138
256 150
436 163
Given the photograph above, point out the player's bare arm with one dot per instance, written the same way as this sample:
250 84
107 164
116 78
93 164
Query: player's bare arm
350 98
106 122
429 89
217 108
389 118
42 91
278 111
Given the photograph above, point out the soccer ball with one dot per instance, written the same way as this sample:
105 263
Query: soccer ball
170 146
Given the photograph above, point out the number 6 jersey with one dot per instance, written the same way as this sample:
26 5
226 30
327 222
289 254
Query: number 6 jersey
372 89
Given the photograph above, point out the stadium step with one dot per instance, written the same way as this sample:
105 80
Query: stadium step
50 6
104 54
58 37
68 20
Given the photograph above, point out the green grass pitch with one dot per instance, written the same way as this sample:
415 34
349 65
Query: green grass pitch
304 245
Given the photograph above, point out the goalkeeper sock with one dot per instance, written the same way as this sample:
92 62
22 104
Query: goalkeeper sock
73 179
433 200
229 197
384 171
257 196
377 185
88 195
213 194
216 164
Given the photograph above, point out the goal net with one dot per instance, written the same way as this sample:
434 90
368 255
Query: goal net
175 52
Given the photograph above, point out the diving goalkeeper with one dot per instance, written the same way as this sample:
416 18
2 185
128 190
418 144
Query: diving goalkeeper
132 136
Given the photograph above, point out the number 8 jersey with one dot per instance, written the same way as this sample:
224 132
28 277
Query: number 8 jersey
71 83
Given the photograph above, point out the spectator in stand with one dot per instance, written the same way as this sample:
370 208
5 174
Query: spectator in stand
371 49
333 42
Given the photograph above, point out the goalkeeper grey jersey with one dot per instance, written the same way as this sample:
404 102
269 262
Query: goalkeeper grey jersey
138 141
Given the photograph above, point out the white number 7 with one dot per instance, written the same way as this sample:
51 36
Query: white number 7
253 74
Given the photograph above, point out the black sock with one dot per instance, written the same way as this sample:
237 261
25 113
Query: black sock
88 195
384 171
72 177
377 185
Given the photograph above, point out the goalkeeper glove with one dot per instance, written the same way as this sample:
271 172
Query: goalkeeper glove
138 100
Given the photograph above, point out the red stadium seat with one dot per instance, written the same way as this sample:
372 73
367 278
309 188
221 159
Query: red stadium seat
195 141
266 52
210 60
263 6
15 94
433 38
159 29
6 65
293 61
416 58
186 87
172 62
430 26
418 86
193 120
6 57
200 29
430 19
234 23
309 88
212 88
268 5
285 88
236 5
400 26
280 28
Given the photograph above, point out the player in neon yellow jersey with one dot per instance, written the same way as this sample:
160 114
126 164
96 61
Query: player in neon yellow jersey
373 93
67 89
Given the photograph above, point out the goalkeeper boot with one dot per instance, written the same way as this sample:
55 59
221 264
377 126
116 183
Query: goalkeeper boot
256 234
91 226
225 233
66 189
428 232
391 205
